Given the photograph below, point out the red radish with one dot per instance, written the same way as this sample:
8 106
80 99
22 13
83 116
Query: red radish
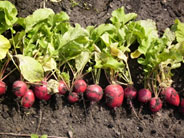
2 88
114 95
73 97
94 93
62 87
182 106
19 88
41 91
144 95
130 92
28 99
171 96
80 86
155 104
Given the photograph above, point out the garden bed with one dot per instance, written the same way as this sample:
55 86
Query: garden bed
59 118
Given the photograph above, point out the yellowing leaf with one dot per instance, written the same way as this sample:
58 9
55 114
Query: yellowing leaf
4 46
135 54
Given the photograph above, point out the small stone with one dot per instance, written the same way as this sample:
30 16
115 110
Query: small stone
70 134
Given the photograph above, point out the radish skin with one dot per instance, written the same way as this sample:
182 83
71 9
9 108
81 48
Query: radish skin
28 99
19 88
62 88
155 104
130 92
144 95
73 97
80 86
94 93
171 96
2 87
41 91
114 95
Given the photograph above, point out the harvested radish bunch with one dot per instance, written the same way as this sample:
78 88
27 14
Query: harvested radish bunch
19 88
171 96
182 106
80 86
62 87
41 91
28 99
144 95
73 97
155 104
114 95
2 88
94 93
130 92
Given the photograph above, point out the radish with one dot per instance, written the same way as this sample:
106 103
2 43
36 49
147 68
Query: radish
41 91
73 97
144 95
114 95
80 86
155 104
130 92
182 106
94 93
19 88
171 96
28 99
62 88
2 88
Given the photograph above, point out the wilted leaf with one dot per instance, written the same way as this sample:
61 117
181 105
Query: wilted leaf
52 86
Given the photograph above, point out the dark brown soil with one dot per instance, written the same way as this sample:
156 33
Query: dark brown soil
58 118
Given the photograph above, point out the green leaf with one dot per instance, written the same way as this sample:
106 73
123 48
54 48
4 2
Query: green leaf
73 42
34 136
82 60
101 29
70 51
74 34
4 46
37 16
106 39
44 136
150 34
179 31
30 68
119 17
112 63
8 13
146 33
107 61
66 77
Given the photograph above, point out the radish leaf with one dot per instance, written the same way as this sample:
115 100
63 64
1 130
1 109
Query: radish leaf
31 69
179 30
4 46
8 14
34 136
82 60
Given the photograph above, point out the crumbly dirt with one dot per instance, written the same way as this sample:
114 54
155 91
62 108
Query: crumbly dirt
59 118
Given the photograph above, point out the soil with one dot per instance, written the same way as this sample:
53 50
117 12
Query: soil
59 118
